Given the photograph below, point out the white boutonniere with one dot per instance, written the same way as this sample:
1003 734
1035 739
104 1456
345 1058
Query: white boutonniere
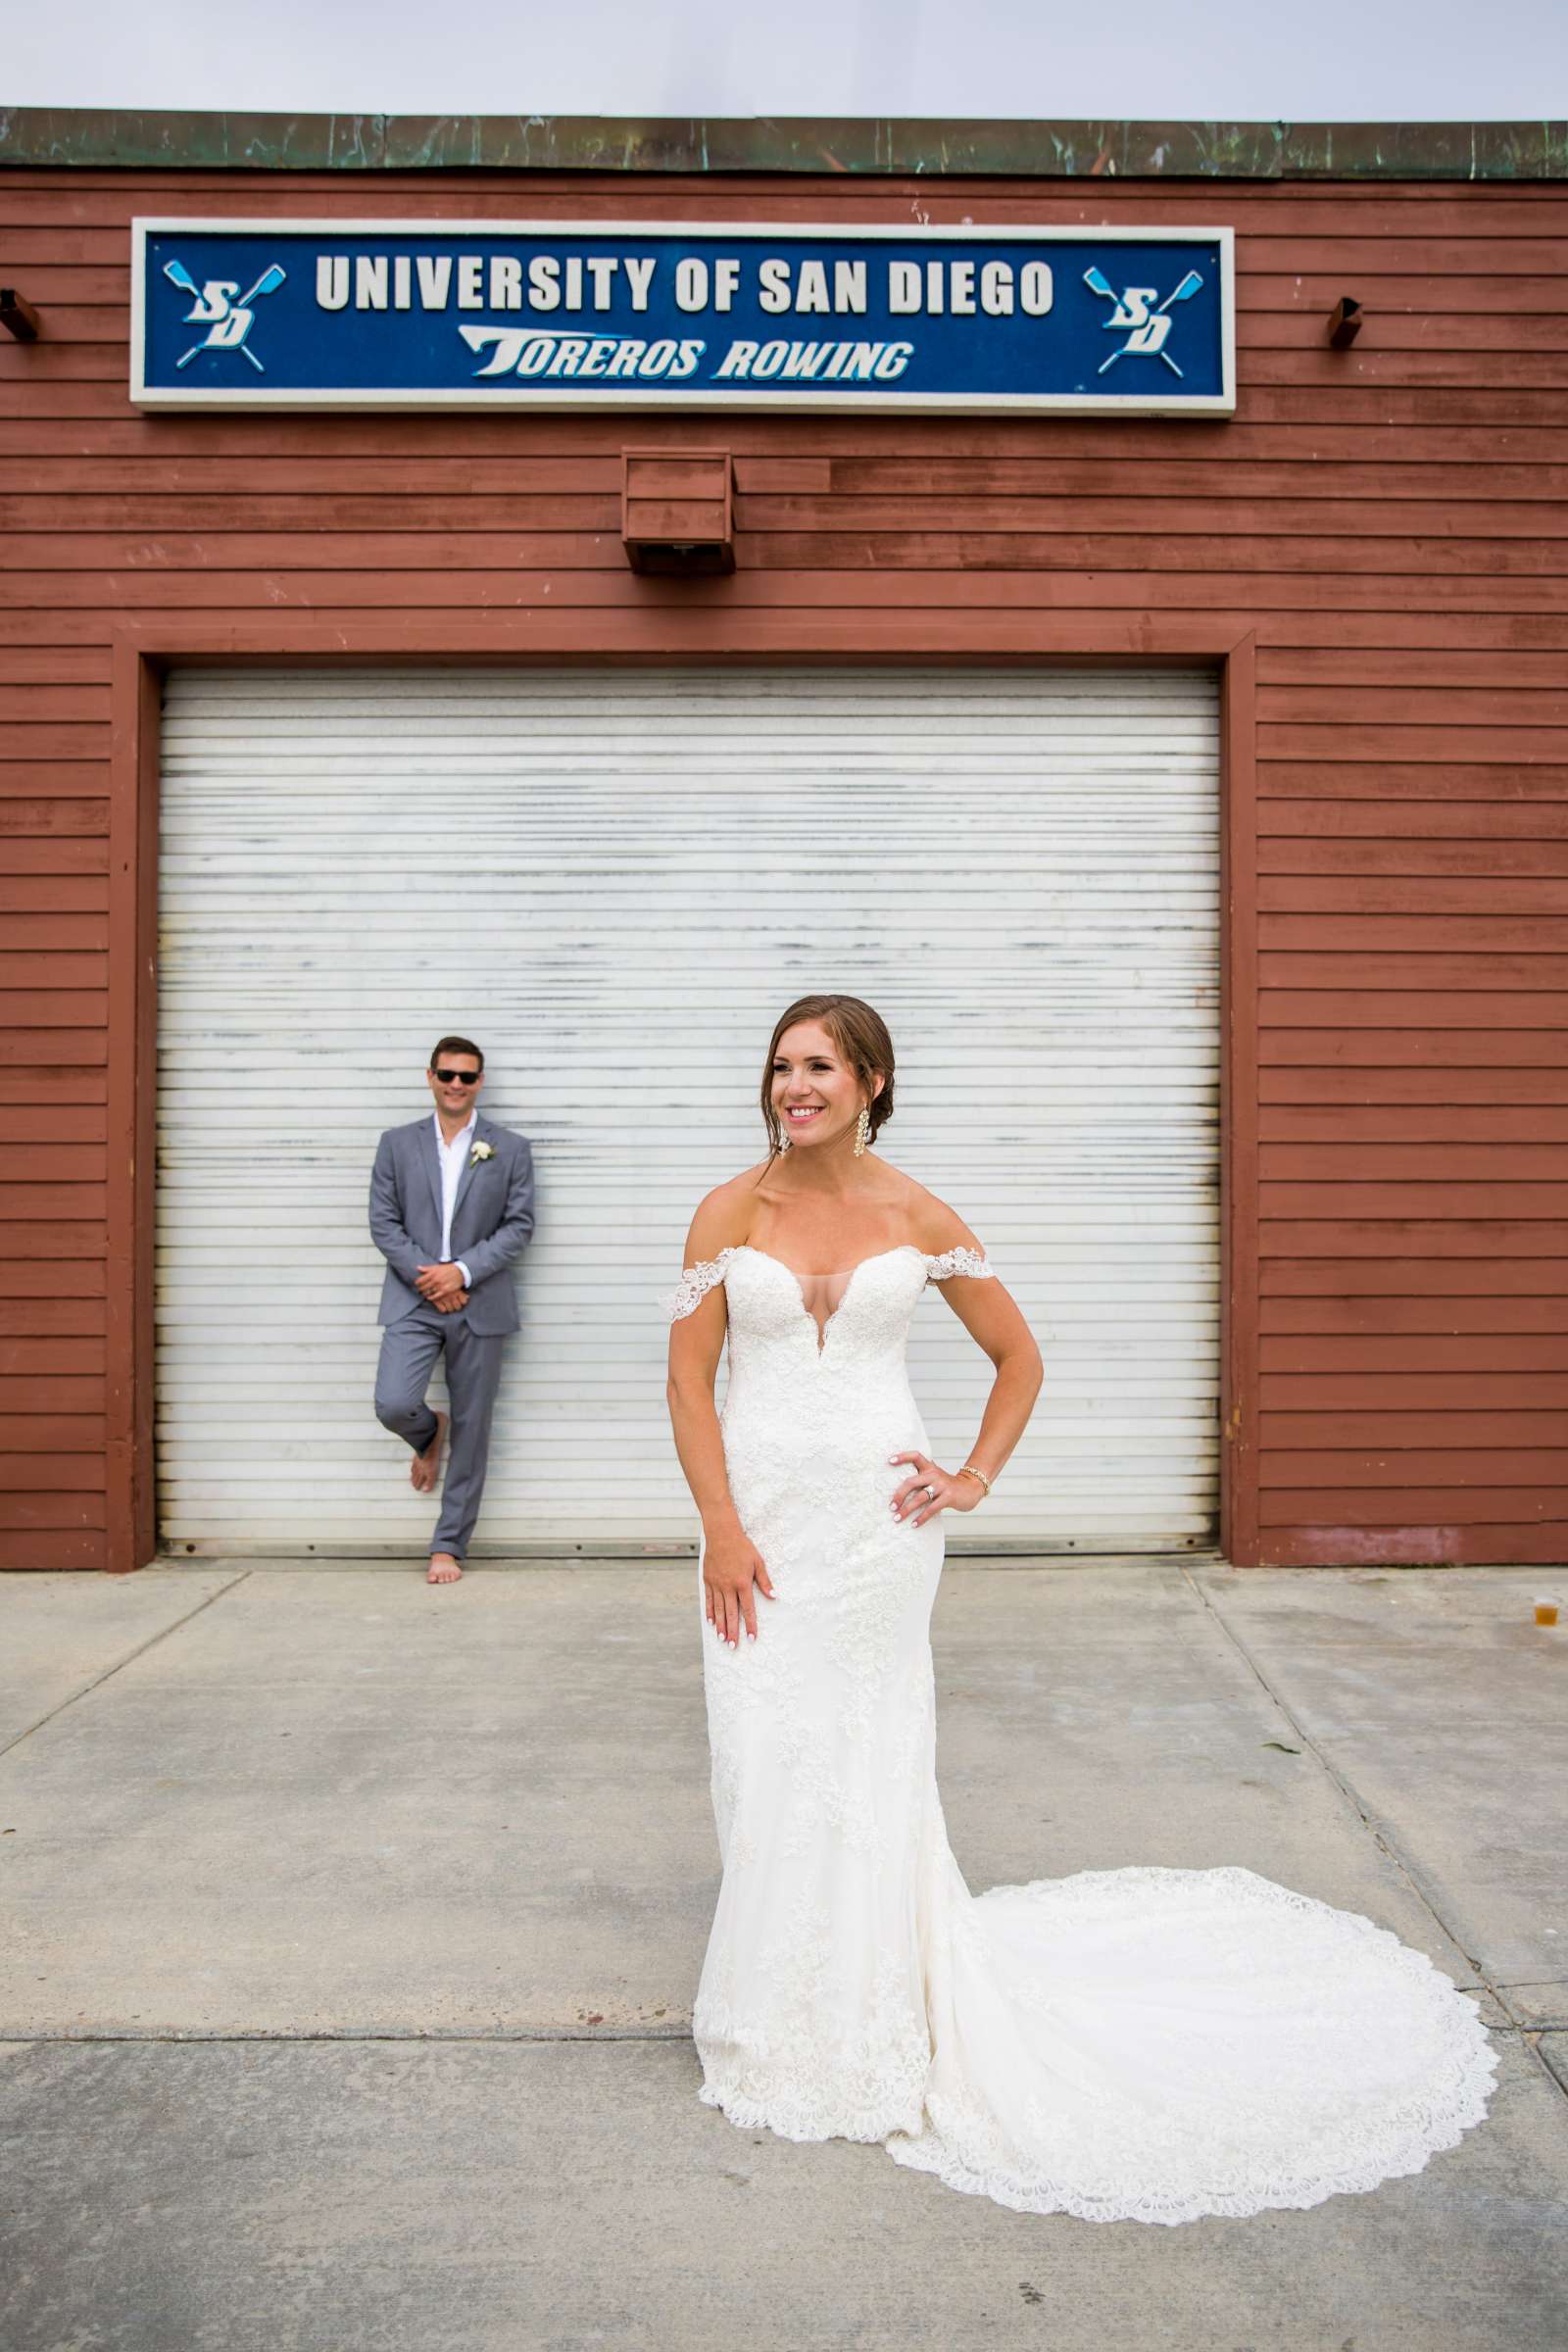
481 1153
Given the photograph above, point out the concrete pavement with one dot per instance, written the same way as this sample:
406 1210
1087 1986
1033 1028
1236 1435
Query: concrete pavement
353 1931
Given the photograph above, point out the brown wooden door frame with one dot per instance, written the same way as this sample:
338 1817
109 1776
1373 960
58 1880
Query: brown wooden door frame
692 625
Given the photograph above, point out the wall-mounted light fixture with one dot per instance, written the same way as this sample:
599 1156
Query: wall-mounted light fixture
677 511
18 315
1344 323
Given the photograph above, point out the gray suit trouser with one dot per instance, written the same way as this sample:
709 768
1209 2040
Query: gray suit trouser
408 1349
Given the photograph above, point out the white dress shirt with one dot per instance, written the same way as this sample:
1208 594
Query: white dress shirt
453 1155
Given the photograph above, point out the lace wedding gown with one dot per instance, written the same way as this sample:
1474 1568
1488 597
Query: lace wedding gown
1139 2044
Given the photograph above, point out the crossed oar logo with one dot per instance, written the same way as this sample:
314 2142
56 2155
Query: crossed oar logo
227 322
1149 328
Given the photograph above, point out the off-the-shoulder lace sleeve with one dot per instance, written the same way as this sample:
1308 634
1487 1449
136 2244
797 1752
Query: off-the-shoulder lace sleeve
973 1263
693 1285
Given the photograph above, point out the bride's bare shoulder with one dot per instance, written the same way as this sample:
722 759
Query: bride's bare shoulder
935 1225
724 1215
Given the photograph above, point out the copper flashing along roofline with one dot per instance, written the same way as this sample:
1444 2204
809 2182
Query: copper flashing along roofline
107 138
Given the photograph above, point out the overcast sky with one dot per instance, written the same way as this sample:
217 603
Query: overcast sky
1139 60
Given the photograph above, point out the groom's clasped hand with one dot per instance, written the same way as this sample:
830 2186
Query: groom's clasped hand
443 1286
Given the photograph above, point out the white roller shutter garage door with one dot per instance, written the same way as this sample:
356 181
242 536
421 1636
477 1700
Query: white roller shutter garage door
615 880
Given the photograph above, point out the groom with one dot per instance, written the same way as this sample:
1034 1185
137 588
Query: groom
451 1206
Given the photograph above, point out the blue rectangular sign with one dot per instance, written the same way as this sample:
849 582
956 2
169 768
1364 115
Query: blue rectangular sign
399 313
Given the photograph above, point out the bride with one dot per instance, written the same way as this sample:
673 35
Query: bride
1139 2044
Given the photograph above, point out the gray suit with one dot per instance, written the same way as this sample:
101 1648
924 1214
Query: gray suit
492 1218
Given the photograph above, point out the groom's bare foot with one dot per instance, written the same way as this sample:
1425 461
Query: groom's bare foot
425 1467
444 1569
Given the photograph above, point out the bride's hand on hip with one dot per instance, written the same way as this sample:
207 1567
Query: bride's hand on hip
734 1574
931 1490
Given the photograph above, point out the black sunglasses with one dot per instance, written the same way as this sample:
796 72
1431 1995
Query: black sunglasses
459 1077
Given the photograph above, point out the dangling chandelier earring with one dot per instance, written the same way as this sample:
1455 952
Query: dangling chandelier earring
783 1141
863 1131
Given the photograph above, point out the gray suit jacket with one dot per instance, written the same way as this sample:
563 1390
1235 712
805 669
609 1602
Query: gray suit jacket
491 1220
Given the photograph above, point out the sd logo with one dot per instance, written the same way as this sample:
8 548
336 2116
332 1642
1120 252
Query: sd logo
227 322
1149 330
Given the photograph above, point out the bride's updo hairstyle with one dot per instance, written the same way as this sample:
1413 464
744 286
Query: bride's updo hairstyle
861 1035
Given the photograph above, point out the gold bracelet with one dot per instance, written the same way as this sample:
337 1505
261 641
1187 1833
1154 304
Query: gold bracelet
969 1471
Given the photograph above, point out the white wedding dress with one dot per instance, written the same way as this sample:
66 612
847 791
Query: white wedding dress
1139 2044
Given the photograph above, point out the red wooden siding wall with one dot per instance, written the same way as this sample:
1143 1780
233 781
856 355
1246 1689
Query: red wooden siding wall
1386 521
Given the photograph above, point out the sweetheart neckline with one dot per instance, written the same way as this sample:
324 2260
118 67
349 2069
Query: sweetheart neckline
698 1279
899 1250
